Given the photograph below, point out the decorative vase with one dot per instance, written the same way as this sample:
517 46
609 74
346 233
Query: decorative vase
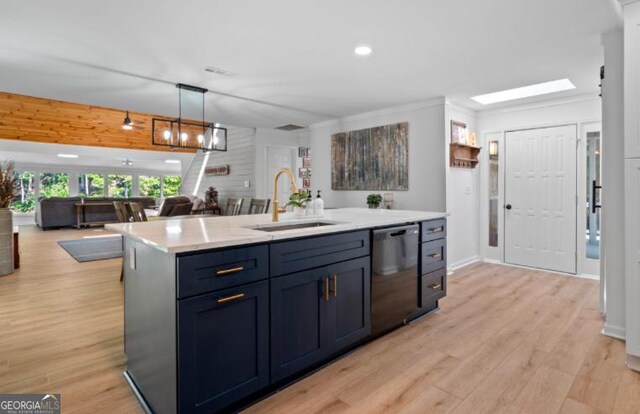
373 205
6 241
298 212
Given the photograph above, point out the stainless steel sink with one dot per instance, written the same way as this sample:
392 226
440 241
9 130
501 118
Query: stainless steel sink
293 226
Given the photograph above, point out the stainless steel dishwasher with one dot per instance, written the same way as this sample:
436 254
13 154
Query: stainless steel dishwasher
394 280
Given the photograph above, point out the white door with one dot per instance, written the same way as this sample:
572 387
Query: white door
280 157
540 198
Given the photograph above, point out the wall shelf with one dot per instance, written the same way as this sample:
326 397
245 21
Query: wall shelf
463 156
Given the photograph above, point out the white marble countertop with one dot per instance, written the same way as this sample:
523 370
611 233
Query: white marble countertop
191 234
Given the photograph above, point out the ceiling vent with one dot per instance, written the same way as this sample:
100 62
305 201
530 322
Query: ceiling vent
290 127
217 71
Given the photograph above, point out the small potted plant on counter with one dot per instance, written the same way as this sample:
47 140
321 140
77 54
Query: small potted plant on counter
298 201
7 193
374 200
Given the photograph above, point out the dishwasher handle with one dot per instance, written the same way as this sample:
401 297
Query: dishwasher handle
393 232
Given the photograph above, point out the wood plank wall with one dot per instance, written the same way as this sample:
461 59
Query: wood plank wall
28 118
240 156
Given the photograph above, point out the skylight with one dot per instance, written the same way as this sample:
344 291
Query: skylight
525 92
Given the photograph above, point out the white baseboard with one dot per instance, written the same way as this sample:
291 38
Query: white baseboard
499 262
618 332
633 362
588 276
462 263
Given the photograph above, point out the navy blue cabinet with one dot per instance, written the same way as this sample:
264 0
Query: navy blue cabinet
223 347
316 313
299 321
350 299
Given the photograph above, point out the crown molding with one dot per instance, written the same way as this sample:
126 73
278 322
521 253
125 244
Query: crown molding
625 2
543 104
382 112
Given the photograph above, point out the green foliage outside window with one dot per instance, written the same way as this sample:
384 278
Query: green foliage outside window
25 200
120 185
171 185
54 185
91 185
149 186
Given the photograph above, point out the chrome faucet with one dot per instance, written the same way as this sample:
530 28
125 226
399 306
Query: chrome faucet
294 189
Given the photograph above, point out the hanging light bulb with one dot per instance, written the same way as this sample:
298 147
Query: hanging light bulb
184 136
200 139
166 134
128 123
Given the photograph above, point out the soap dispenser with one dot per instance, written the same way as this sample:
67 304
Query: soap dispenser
319 205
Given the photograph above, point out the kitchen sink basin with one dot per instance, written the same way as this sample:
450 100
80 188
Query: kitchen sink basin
292 226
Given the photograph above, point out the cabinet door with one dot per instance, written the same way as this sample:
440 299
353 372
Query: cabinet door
223 347
299 305
350 310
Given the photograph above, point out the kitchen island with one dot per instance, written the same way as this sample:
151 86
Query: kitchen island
220 311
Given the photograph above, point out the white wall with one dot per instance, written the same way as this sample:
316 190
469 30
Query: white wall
427 170
240 156
493 123
463 198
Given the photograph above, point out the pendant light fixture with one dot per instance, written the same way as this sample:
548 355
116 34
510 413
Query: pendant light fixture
189 130
128 123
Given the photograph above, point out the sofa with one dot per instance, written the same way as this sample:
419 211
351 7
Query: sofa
57 212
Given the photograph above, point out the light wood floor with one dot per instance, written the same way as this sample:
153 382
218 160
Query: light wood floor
507 340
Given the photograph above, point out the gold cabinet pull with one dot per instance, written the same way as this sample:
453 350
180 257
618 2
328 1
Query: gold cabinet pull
230 298
230 271
436 255
326 289
335 285
436 229
435 286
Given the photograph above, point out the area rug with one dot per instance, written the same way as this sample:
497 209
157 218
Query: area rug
93 248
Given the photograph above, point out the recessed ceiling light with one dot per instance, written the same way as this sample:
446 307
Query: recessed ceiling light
172 161
362 50
525 92
67 156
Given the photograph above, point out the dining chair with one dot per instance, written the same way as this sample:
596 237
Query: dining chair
137 212
259 206
234 206
122 213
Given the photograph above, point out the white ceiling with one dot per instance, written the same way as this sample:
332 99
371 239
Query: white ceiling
293 61
23 152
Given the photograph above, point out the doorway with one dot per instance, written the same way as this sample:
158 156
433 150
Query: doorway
589 228
540 198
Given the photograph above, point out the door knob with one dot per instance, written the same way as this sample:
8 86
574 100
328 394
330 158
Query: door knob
508 206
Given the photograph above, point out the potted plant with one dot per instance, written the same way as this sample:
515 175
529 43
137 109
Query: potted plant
298 201
374 200
7 193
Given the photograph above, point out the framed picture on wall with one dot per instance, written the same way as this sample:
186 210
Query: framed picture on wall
306 182
458 132
303 152
306 162
304 172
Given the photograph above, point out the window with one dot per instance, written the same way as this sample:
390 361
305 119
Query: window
149 186
171 184
493 193
91 185
119 185
25 199
54 185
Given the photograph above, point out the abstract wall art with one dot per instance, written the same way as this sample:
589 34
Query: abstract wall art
371 159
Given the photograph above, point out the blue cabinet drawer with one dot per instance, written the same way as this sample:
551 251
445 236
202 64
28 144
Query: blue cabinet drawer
433 286
294 256
433 255
434 230
206 272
